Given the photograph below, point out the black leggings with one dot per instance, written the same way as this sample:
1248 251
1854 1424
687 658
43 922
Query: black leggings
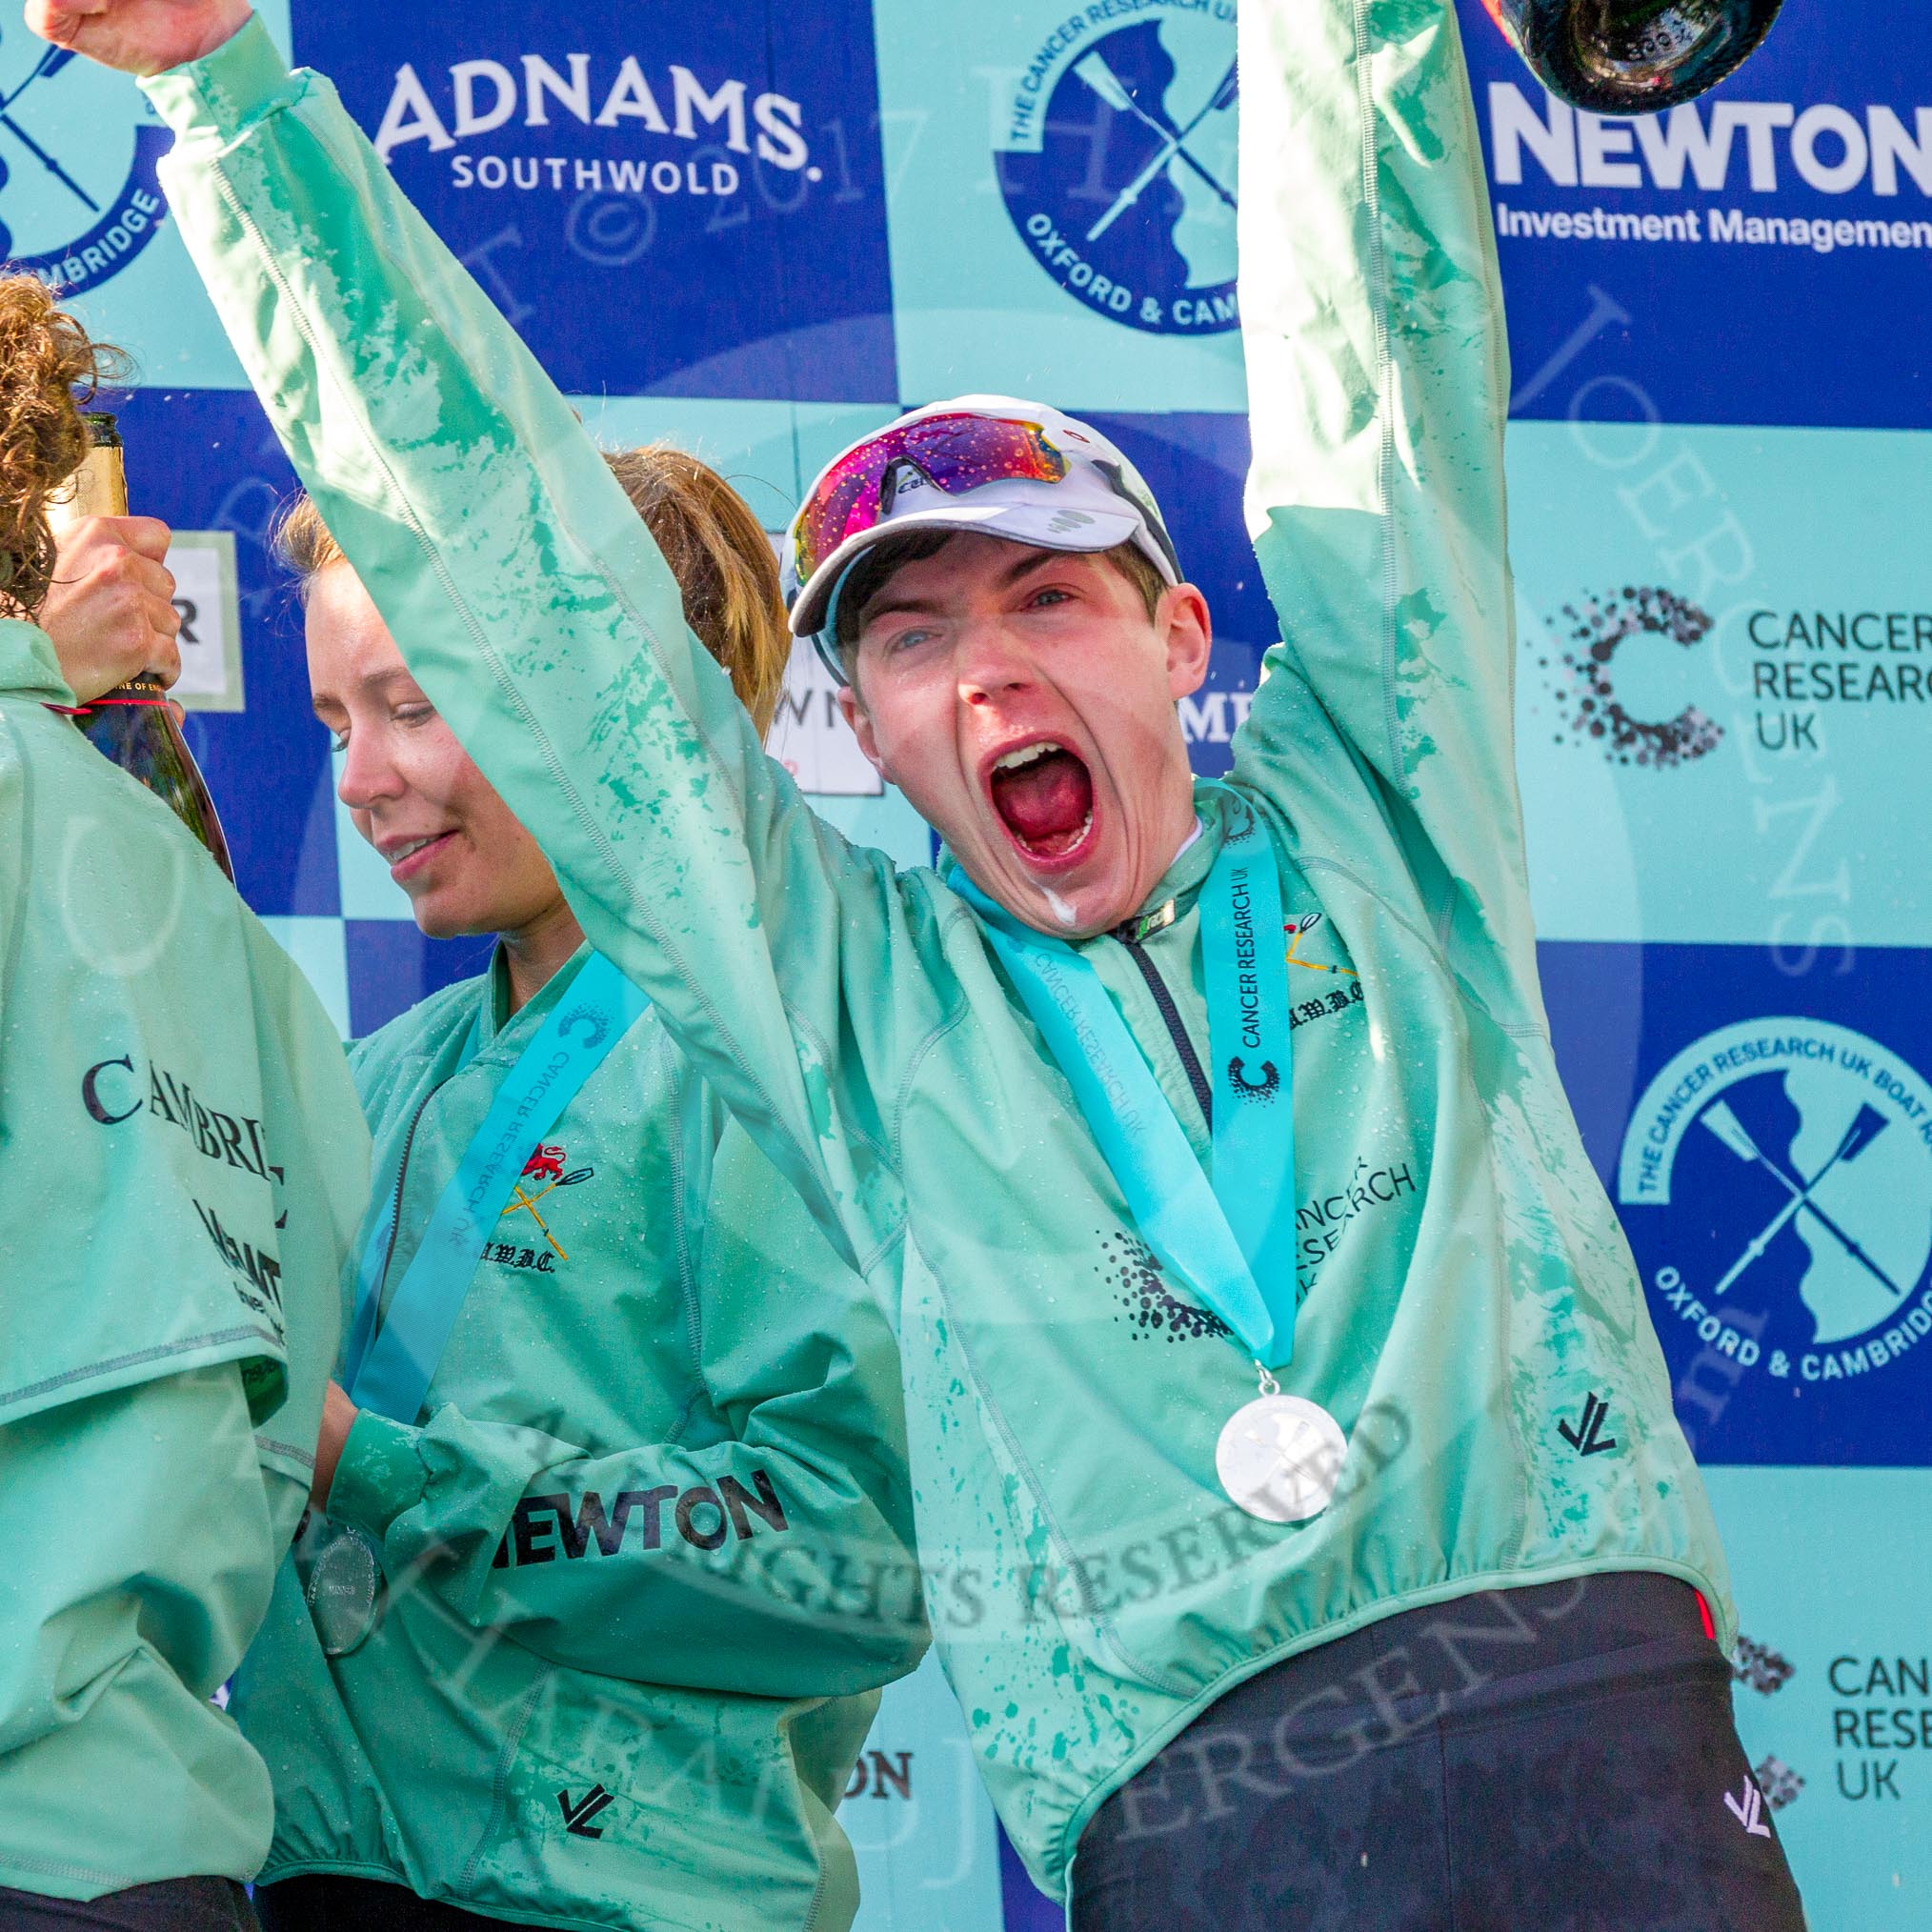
323 1903
1560 1757
174 1906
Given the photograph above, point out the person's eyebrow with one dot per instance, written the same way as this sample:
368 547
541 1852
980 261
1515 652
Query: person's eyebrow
888 606
377 681
1032 560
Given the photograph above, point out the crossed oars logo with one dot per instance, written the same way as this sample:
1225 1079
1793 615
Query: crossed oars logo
1866 1126
1298 928
1109 87
51 63
546 1164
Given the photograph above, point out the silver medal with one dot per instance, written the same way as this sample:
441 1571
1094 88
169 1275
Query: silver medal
1280 1457
342 1592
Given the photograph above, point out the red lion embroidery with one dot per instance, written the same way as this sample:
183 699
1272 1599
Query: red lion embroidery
545 1164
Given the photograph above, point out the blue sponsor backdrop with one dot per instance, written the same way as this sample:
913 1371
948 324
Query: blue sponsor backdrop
582 156
1767 241
761 229
1768 1140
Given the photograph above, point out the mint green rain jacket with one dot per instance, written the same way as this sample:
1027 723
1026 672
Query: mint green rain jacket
1465 1285
182 1161
646 1549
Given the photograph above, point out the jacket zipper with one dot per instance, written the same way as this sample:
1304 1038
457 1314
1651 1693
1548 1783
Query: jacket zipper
402 1168
1190 1060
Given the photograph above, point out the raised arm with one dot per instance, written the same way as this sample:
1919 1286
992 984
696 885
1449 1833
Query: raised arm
531 604
1377 383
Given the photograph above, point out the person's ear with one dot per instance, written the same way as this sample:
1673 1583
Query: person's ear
853 709
1187 633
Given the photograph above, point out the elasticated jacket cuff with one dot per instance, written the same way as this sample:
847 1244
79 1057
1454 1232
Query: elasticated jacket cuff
380 1475
226 91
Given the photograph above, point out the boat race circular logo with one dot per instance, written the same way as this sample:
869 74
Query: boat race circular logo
1117 159
79 198
1775 1182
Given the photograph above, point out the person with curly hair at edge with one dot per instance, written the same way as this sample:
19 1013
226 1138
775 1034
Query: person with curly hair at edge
182 1145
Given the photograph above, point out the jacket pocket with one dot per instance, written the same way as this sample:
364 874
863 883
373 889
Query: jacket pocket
622 1804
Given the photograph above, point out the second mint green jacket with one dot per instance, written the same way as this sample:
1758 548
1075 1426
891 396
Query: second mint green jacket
624 1658
1465 1286
182 1161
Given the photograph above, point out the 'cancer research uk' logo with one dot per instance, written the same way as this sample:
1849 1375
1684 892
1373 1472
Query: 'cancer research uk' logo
1777 1186
1117 159
1585 672
78 194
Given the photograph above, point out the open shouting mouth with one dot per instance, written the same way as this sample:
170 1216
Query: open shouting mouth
1043 794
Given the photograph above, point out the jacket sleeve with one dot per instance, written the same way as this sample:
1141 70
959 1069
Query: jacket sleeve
776 1562
528 599
127 1060
151 1547
1378 384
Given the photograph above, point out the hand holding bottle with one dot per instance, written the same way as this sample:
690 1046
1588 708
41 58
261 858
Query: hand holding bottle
110 614
132 723
137 36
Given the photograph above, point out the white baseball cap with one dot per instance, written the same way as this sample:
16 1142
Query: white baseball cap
945 476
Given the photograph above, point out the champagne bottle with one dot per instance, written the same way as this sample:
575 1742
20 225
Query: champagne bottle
135 724
1633 56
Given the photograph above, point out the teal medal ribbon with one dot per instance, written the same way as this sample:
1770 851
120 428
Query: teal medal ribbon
1280 1457
394 1354
392 1357
1231 1239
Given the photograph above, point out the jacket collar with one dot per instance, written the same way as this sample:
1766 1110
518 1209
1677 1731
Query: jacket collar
28 666
499 1021
1181 884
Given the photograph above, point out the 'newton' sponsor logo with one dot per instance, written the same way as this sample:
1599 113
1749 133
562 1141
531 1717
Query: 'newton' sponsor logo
1711 146
1748 149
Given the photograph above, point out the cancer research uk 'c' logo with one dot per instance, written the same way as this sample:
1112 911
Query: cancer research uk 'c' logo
1775 1182
78 194
1584 673
1117 159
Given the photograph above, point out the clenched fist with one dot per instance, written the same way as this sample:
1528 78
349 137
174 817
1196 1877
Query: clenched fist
137 36
110 612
